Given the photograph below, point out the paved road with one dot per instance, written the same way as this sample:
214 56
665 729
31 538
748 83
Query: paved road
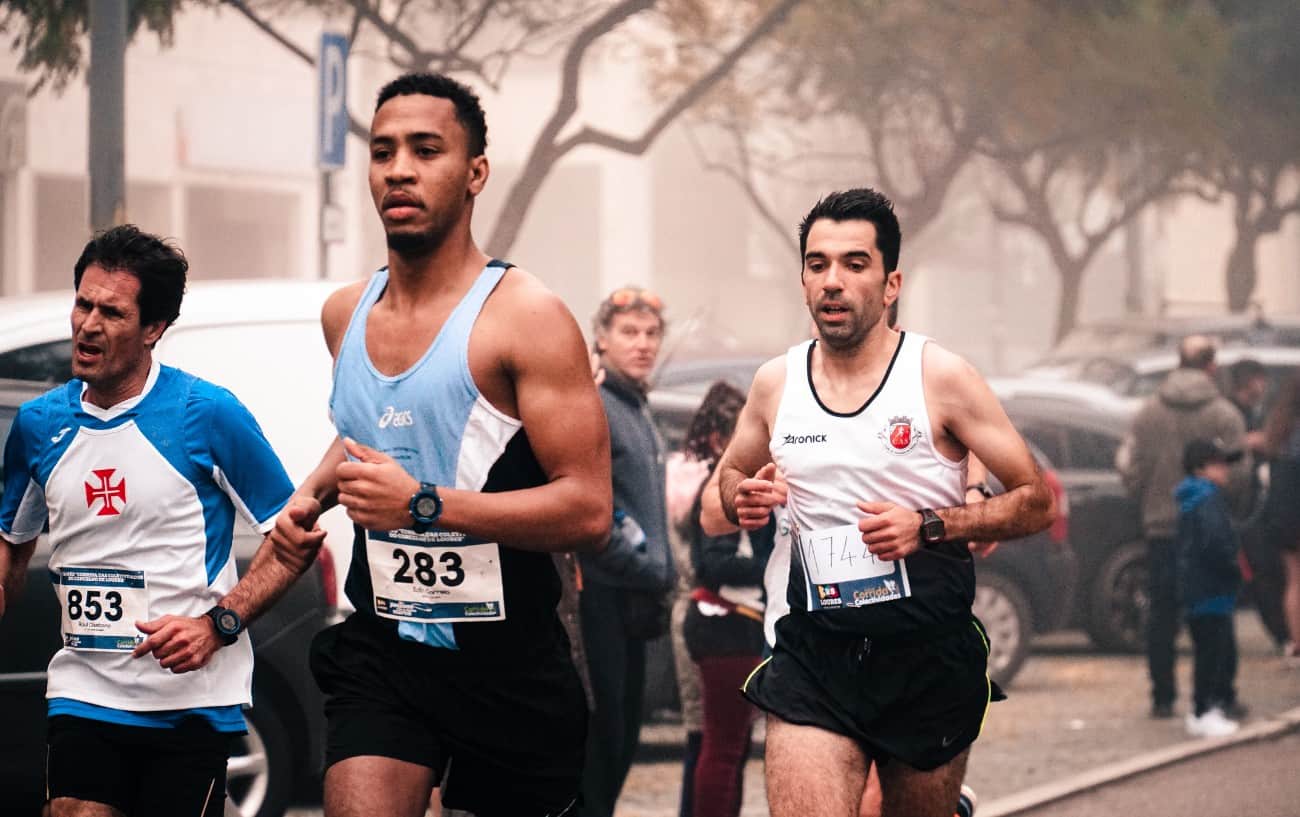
1071 710
1254 780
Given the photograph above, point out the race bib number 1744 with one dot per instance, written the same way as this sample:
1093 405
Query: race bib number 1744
843 573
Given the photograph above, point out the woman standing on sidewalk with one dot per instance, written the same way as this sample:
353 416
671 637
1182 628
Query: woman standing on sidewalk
1282 508
724 632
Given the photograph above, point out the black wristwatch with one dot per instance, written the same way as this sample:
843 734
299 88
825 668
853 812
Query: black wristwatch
932 532
228 623
426 507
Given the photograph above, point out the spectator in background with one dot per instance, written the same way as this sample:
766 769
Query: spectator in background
688 470
1248 386
1208 582
1282 509
724 624
624 598
1186 406
1264 574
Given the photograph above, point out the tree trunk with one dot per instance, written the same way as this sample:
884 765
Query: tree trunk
1067 309
1242 274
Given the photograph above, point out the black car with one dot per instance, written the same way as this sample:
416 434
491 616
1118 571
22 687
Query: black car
1024 587
1080 428
282 755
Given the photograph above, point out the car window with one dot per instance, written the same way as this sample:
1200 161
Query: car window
7 414
43 362
280 371
1048 439
1091 450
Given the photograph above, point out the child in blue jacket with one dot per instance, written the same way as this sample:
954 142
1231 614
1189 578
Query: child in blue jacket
1209 579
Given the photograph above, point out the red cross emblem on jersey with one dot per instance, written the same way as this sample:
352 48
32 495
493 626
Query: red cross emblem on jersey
105 491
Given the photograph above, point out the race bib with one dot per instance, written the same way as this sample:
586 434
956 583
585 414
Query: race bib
843 573
101 606
435 577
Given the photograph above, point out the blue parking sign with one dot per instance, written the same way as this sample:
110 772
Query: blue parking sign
332 98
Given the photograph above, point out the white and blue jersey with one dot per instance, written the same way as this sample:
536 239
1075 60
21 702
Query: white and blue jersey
141 500
443 588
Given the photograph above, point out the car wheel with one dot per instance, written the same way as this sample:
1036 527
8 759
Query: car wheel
1119 601
1008 619
260 772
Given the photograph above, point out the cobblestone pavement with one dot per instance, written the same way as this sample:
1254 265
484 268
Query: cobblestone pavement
1069 710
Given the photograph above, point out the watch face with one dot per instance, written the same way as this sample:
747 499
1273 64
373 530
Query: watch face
228 622
932 531
426 506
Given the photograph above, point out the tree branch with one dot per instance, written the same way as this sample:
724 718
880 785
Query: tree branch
354 125
692 94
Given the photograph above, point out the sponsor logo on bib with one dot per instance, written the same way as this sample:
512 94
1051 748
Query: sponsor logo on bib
900 436
801 439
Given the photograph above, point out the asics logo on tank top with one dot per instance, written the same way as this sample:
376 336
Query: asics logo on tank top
800 439
103 490
396 419
900 436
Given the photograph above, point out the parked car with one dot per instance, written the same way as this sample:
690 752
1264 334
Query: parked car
262 340
1139 375
1025 587
1080 426
1137 336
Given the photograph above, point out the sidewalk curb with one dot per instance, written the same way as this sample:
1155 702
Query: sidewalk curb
1019 802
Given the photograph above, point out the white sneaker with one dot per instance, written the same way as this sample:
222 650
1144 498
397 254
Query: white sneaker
1212 724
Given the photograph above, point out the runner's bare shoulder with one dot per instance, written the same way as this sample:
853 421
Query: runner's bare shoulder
769 384
337 312
524 316
953 386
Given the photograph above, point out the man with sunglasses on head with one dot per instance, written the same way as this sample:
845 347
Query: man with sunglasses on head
624 599
467 453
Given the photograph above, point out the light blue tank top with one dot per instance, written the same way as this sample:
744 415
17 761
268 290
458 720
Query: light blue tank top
430 418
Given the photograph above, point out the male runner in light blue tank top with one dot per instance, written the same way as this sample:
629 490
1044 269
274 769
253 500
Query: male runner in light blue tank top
472 443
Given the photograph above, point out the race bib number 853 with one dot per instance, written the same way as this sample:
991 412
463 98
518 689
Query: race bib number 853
439 576
101 606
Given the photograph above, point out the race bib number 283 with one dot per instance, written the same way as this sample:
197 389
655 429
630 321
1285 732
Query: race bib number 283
435 577
843 573
101 606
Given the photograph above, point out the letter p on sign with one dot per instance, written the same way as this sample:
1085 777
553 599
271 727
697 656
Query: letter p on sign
332 75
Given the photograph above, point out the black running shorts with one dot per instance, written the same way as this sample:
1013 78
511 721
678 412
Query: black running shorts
139 770
503 736
921 700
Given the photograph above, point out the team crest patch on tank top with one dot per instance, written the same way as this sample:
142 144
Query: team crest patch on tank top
900 436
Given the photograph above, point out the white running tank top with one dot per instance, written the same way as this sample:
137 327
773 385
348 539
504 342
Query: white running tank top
883 451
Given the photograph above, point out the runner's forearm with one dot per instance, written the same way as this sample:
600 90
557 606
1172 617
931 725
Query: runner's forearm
729 480
322 484
562 515
1021 511
265 581
713 516
13 570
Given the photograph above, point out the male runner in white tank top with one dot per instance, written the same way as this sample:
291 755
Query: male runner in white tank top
880 659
